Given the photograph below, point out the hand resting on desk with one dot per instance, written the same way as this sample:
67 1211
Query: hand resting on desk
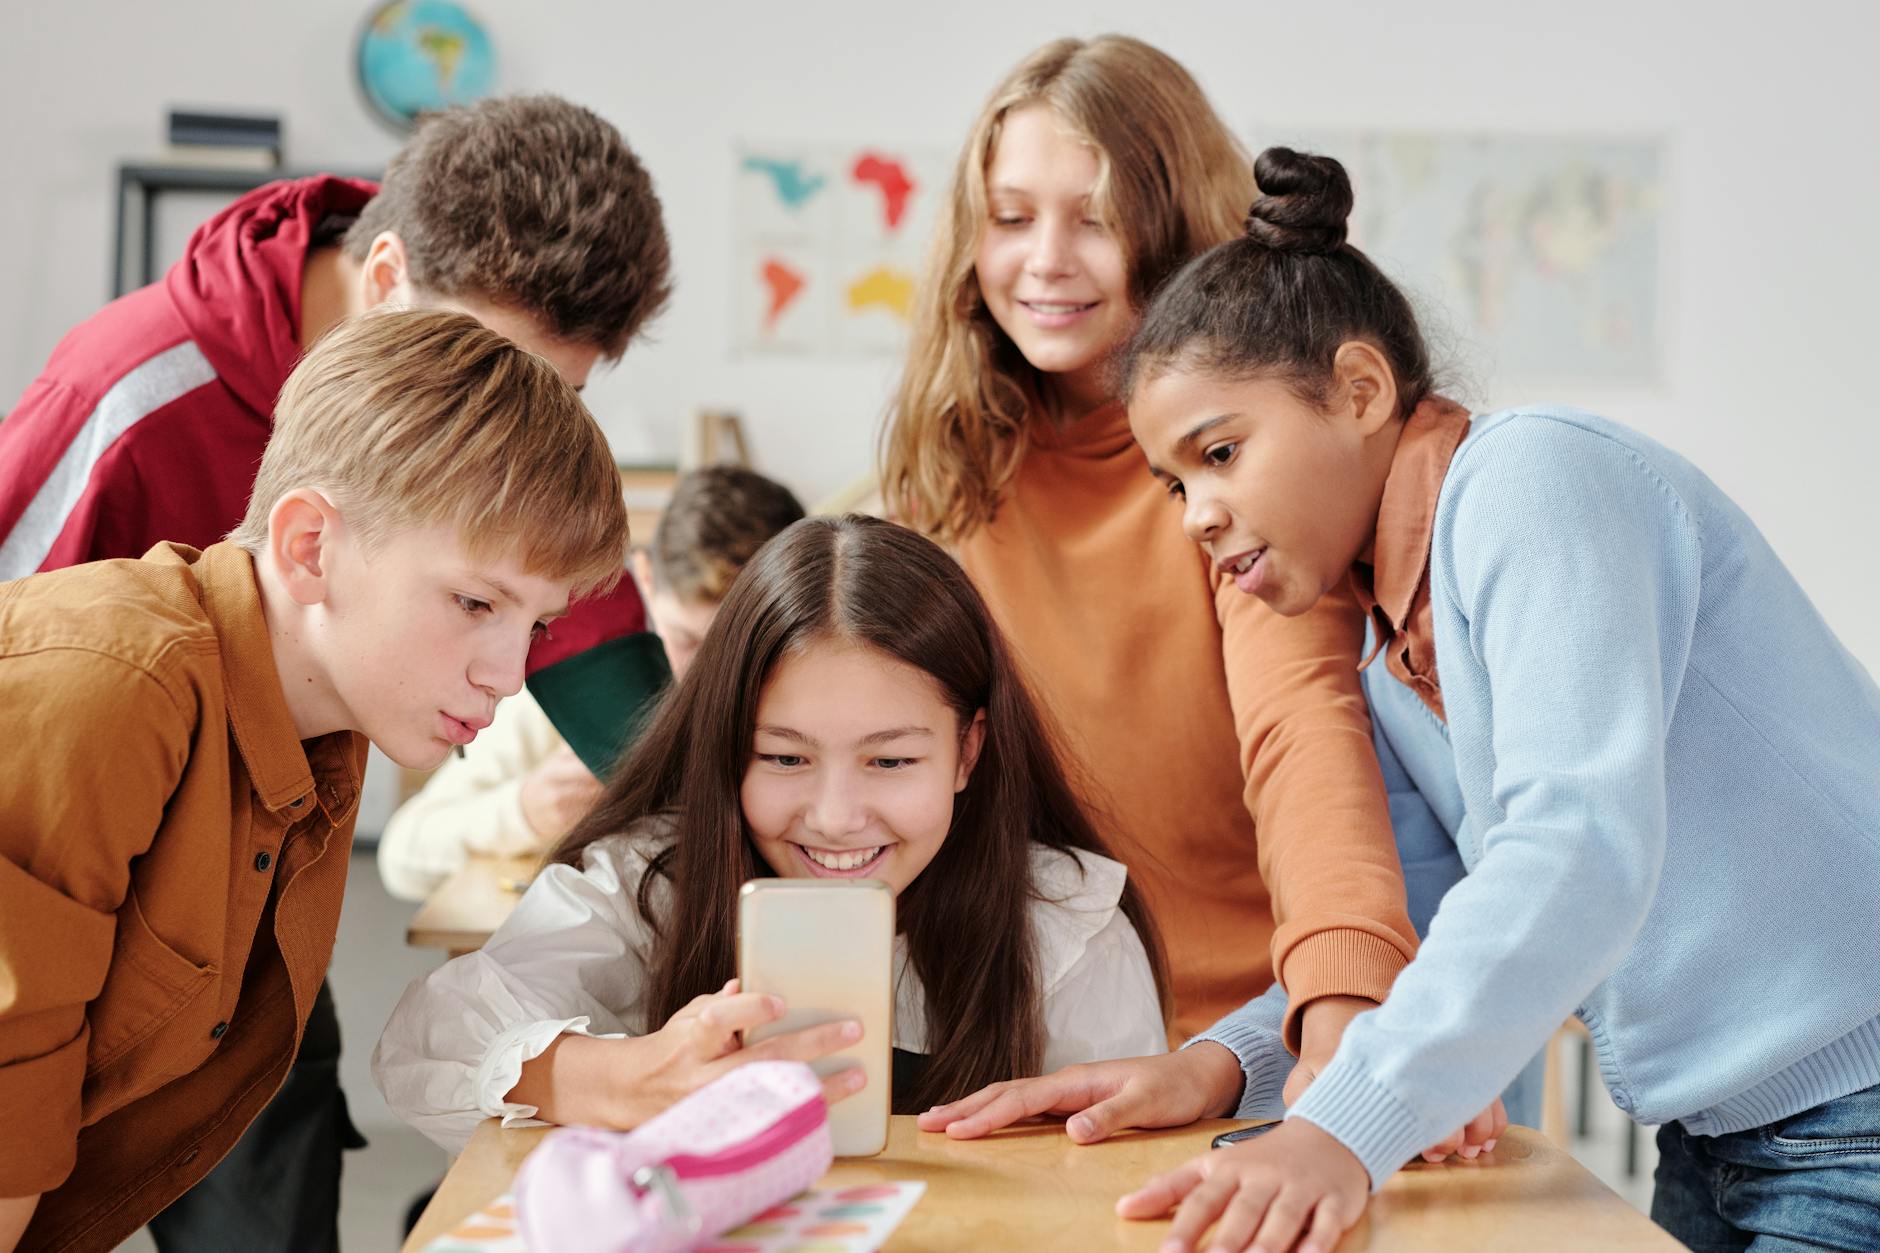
1295 1184
1100 1098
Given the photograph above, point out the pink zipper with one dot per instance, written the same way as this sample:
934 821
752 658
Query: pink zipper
774 1139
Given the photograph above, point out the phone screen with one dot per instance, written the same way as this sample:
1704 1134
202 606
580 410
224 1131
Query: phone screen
827 949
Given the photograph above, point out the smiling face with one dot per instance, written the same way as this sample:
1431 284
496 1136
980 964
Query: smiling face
1050 270
414 641
1282 495
854 766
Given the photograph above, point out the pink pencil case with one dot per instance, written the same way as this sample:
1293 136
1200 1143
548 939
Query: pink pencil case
747 1141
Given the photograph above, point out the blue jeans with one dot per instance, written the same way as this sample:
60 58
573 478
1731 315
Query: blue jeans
1810 1181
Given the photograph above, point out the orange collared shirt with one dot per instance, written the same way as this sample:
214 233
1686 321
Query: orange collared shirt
172 859
1392 582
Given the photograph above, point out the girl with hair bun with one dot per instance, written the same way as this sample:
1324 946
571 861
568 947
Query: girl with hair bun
1223 750
1654 757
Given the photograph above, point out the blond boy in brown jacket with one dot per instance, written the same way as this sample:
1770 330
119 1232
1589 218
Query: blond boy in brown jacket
187 734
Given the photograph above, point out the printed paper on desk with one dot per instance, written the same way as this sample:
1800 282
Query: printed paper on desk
829 1220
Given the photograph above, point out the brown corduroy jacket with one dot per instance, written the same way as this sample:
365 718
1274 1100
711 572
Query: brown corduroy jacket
172 859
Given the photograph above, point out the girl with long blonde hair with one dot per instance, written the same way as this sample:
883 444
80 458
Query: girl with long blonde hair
1226 751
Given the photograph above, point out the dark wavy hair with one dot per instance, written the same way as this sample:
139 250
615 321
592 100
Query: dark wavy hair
967 916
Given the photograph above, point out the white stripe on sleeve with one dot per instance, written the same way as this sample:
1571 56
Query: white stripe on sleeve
143 391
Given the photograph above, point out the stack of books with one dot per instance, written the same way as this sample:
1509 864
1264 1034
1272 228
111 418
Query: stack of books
223 140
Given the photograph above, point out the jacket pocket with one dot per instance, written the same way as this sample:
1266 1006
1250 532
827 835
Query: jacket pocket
148 985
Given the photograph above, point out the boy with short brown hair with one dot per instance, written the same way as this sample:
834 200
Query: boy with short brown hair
530 204
433 497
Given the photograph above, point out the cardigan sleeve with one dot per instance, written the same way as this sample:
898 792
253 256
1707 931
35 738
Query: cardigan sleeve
1572 570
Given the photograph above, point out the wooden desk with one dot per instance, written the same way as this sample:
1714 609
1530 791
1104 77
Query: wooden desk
469 905
1030 1187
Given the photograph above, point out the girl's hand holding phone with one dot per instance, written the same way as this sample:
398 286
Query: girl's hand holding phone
702 1041
621 1083
1100 1098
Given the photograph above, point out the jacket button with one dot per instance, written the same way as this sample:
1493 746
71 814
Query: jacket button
189 1157
297 802
215 1032
263 861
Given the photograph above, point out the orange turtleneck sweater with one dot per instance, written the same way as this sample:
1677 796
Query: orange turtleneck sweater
1225 751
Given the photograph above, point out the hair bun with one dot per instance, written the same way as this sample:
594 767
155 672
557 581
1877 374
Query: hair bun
1303 203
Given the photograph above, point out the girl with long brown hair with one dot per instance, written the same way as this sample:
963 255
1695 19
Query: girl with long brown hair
1229 747
852 712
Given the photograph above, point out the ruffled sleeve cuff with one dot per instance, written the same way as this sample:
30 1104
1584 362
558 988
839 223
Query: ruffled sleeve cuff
501 1067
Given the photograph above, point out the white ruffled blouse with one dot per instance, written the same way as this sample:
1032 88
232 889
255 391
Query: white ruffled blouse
573 958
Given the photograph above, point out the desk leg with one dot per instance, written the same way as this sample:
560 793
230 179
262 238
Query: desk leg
1583 1115
149 270
117 234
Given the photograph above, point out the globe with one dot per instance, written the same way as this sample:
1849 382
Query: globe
418 56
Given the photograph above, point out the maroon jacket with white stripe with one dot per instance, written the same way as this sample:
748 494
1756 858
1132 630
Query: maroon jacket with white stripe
149 421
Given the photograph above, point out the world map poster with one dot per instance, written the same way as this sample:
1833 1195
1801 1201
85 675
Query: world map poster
829 245
1538 254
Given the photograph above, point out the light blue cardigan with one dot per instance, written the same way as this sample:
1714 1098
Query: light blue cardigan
1662 772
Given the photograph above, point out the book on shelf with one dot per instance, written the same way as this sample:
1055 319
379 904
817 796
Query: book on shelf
224 141
224 130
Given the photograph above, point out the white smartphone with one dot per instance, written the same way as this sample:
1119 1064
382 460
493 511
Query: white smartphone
827 948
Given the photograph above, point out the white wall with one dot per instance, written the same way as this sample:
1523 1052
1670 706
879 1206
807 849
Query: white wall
1770 321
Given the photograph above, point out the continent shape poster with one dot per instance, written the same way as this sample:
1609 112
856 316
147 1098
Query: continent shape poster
830 243
1543 251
